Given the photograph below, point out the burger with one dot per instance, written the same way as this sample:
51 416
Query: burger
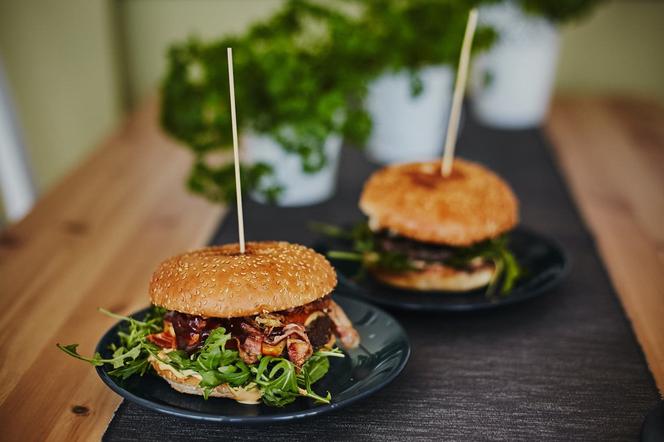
427 232
254 326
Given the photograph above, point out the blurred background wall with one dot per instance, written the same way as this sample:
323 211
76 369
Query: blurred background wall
60 65
618 49
74 66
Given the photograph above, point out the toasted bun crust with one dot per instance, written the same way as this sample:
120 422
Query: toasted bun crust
436 277
221 282
414 200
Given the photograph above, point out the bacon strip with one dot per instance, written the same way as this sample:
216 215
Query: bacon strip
344 328
297 343
251 348
166 338
288 330
162 340
298 351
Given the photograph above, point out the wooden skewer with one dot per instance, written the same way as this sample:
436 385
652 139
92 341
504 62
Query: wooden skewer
236 154
457 98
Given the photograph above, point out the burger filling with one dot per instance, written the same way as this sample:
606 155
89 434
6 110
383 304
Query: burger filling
418 254
388 251
295 334
275 357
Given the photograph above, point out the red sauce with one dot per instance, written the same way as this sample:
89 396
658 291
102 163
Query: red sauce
191 331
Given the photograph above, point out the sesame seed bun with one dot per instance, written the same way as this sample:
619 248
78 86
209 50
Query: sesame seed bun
221 282
437 277
413 200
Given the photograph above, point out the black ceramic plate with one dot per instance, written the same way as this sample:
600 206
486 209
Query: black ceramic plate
543 260
382 354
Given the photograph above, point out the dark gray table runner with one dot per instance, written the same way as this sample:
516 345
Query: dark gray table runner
565 366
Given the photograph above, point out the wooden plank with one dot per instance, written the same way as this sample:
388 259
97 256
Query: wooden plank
612 154
92 241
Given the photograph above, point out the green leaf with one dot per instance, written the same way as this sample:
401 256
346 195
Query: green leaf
213 354
130 355
316 367
138 366
97 360
180 360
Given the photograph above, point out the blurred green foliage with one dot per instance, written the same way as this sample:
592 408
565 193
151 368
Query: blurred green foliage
410 34
292 83
302 75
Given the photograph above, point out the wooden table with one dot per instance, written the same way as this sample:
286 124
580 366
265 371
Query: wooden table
95 239
612 153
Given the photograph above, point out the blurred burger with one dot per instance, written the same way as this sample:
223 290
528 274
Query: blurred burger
433 233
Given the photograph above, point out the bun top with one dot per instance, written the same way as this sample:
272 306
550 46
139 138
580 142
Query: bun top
414 200
222 282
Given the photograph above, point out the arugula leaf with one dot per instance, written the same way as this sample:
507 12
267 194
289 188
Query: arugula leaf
180 360
281 383
137 366
315 368
130 356
236 375
96 359
213 353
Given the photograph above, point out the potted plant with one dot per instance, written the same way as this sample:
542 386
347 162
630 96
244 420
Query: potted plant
414 47
296 99
511 84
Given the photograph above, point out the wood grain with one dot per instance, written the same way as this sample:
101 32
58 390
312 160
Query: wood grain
92 241
612 154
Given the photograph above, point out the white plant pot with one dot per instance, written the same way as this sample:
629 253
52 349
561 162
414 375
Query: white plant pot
511 83
299 188
407 128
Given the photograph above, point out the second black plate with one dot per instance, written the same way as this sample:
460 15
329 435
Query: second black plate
543 260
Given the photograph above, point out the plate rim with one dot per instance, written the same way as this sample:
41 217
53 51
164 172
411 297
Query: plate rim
358 291
257 420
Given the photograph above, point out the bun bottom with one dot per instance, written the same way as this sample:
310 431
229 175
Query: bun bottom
189 385
438 277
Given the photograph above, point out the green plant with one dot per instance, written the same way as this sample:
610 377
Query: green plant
291 83
301 76
559 11
411 34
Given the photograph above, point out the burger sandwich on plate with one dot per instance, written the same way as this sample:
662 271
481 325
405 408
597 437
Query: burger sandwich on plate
254 326
426 232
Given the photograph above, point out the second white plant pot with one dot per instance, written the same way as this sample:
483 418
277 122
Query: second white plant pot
407 128
511 83
299 188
